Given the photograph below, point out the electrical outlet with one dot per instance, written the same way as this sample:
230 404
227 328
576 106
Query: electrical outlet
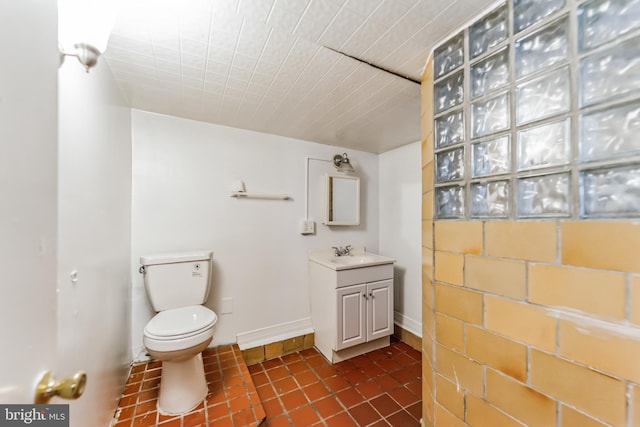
307 226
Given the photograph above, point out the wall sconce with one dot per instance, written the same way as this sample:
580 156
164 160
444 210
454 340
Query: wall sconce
342 164
85 25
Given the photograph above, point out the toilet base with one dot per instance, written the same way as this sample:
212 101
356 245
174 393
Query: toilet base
182 385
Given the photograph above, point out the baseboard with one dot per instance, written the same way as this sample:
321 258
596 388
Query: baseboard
408 324
408 338
278 340
275 333
272 350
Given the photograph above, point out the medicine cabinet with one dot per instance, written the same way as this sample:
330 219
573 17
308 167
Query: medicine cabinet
342 200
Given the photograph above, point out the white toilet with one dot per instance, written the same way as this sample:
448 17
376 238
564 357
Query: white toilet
177 285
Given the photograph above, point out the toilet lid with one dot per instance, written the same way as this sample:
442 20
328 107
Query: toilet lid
180 321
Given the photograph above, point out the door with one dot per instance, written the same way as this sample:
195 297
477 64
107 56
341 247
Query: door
380 309
28 194
352 320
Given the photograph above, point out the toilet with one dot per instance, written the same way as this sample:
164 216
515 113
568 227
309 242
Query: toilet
177 285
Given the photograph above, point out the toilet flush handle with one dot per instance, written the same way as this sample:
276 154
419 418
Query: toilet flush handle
141 270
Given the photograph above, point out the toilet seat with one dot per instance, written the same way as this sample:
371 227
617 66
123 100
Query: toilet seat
179 328
180 322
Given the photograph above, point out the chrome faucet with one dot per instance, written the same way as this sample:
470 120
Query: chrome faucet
340 251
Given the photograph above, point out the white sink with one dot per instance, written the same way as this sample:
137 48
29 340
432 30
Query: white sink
353 259
357 259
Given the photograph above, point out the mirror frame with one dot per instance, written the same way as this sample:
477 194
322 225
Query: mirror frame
328 200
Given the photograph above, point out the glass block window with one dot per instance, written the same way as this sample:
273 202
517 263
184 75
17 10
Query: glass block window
544 146
610 132
449 92
449 56
611 192
450 202
490 115
610 73
544 196
543 48
528 12
491 157
537 112
489 31
602 21
490 74
490 199
450 129
545 96
450 165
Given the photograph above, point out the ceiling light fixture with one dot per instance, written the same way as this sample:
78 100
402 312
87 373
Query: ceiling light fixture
342 164
86 25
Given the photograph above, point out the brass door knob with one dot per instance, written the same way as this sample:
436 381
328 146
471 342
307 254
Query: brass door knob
70 387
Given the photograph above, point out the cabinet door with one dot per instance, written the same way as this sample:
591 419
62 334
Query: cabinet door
352 318
380 309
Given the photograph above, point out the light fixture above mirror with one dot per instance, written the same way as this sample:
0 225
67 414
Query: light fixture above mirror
84 27
342 164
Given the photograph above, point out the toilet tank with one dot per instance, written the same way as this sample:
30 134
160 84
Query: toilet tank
177 280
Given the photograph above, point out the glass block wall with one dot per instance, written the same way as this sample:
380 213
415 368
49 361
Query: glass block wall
537 112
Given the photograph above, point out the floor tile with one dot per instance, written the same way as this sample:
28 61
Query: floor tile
349 397
337 383
403 396
316 391
293 400
387 383
369 389
415 410
328 407
232 398
385 405
342 419
279 421
355 392
266 392
284 385
403 418
304 416
364 414
378 389
306 378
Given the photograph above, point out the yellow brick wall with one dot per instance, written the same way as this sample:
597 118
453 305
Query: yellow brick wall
527 323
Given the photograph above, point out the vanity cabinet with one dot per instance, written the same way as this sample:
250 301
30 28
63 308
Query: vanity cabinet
351 305
365 313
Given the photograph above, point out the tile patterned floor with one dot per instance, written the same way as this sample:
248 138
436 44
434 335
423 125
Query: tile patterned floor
381 388
232 399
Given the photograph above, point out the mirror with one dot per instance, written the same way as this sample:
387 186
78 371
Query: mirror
342 200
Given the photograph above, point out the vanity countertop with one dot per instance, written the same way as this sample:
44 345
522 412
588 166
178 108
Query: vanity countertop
357 258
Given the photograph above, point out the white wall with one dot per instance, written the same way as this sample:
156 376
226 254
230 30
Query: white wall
183 173
94 229
401 230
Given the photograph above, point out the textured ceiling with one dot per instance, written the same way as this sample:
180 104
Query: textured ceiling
272 66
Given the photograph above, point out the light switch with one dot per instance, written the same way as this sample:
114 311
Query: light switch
307 226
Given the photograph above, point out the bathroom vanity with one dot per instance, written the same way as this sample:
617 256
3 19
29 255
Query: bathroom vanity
351 302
